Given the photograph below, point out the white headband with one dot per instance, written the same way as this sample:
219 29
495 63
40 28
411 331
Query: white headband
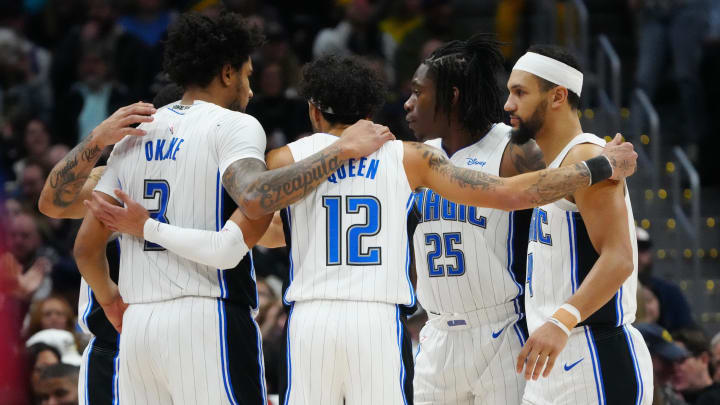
551 70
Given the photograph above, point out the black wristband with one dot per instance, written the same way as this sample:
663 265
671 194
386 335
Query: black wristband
600 169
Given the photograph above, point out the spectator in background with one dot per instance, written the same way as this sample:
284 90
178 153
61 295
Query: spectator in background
58 385
277 50
692 375
24 77
28 260
674 30
40 356
665 358
36 142
357 34
650 311
32 180
92 98
715 355
404 17
282 117
437 24
674 309
147 24
54 312
101 27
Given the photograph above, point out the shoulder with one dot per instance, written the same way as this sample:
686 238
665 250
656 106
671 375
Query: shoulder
522 158
583 151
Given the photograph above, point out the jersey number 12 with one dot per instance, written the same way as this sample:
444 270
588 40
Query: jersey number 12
355 254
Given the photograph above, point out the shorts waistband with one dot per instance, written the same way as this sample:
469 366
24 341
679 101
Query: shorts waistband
473 319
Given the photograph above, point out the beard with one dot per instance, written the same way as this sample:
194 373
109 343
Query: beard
236 106
528 130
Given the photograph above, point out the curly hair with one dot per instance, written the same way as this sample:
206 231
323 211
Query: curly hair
198 47
347 86
472 66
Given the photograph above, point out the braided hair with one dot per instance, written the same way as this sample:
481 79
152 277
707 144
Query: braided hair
472 67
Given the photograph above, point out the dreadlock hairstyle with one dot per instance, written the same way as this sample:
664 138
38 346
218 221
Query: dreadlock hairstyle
471 66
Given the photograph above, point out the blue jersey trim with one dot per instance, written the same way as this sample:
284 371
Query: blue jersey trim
261 361
408 209
596 365
287 355
636 368
399 330
223 353
290 255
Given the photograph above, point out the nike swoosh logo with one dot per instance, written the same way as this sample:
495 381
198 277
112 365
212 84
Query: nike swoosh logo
567 368
496 334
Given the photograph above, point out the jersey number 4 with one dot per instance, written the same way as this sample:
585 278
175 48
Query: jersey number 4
153 189
355 254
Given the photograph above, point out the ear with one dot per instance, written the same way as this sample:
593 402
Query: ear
705 358
315 115
227 74
456 96
559 96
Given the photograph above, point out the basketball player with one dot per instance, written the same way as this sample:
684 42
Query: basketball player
189 335
581 279
62 198
470 261
349 241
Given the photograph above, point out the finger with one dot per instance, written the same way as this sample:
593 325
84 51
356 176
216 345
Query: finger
133 131
135 119
522 357
550 364
542 359
123 196
141 108
531 361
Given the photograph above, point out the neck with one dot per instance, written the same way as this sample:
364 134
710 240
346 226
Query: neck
455 137
558 130
335 130
203 94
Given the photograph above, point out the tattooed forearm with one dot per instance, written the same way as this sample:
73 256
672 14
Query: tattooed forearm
272 190
552 185
464 178
67 178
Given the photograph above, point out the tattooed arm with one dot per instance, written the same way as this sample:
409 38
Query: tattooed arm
259 192
67 180
427 167
519 159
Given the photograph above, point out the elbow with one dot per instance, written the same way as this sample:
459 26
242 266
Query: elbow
229 260
81 251
47 208
624 265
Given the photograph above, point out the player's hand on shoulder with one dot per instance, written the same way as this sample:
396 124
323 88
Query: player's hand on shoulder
119 124
129 219
622 157
363 138
541 350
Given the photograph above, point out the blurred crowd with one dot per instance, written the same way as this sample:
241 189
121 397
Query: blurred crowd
66 65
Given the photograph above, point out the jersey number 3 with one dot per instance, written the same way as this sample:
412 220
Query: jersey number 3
356 255
152 189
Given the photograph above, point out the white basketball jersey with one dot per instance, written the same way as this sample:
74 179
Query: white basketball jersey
175 171
560 256
464 255
348 238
